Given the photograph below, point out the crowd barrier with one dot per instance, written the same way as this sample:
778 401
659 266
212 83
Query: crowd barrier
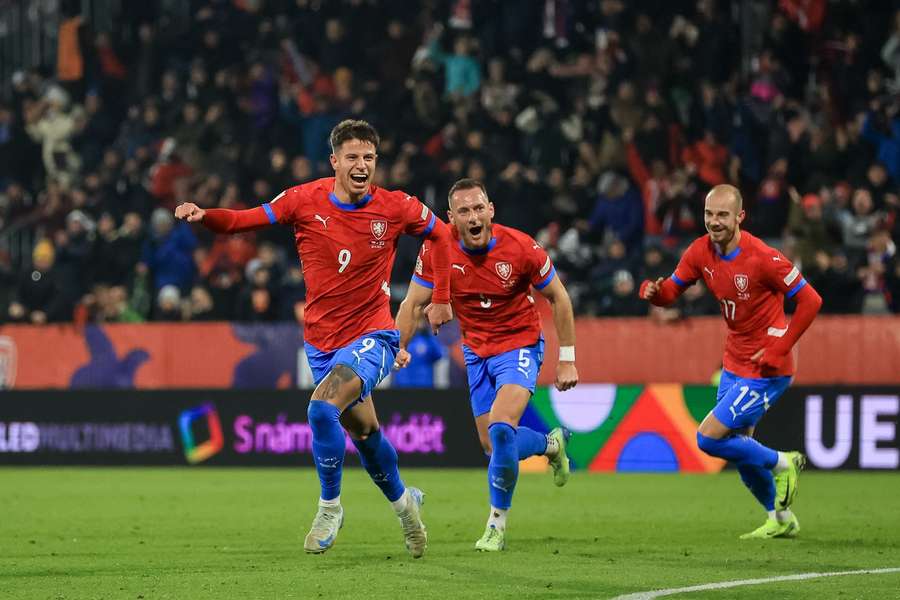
649 428
836 350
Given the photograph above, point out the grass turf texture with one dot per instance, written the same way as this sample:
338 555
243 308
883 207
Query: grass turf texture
78 533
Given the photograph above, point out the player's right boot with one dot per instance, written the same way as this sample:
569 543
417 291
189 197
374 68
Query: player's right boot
768 530
493 540
324 530
560 462
786 482
411 522
792 527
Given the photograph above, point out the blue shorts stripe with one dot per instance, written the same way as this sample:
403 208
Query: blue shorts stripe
547 279
796 288
270 213
422 282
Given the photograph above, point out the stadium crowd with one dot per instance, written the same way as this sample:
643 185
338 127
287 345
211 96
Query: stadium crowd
598 127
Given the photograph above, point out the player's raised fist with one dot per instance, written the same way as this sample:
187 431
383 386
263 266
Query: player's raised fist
566 376
190 212
402 359
438 314
650 288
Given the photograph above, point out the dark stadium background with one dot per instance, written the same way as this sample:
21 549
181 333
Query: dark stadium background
597 126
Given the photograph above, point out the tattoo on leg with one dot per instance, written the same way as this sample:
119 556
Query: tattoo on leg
338 376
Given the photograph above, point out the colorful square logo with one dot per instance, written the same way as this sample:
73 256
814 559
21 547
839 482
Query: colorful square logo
186 422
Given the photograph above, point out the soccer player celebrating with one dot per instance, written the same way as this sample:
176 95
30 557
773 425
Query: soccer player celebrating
750 280
346 231
493 269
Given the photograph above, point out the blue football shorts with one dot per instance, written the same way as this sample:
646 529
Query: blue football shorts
370 356
741 402
486 375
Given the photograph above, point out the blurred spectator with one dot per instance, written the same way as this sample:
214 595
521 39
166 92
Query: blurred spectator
168 304
40 295
425 350
619 211
167 252
624 301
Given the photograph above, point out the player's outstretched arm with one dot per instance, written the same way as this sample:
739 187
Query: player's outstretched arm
224 220
417 297
808 304
440 312
661 292
564 321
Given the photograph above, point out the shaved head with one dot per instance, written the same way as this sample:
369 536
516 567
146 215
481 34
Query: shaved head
723 214
727 192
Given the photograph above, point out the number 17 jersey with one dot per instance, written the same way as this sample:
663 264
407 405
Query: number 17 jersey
347 254
750 283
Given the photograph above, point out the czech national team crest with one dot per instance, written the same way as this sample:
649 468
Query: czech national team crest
741 282
504 270
379 228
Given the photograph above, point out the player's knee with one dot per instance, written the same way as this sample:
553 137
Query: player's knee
320 412
485 444
708 444
502 435
365 433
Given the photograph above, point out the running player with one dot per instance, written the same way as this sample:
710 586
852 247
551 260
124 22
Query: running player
750 280
346 231
493 269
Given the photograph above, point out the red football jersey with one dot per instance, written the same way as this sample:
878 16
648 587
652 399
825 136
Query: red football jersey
347 253
750 284
489 289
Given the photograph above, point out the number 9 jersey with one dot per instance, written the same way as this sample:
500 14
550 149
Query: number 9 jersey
347 254
489 289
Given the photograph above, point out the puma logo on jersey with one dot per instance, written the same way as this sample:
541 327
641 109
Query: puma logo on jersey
776 258
324 221
462 268
708 270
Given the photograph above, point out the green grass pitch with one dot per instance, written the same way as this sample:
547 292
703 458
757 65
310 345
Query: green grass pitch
85 533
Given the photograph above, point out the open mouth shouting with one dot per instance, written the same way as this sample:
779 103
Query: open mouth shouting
475 232
359 180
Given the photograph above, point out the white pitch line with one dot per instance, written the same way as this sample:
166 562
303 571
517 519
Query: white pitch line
742 582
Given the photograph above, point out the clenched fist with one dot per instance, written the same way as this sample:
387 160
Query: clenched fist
650 288
190 212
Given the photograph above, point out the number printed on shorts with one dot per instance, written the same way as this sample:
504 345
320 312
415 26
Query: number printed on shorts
343 260
368 344
524 361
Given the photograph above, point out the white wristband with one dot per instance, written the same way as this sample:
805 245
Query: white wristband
567 353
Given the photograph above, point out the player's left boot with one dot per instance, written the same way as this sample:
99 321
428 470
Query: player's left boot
493 540
325 527
792 527
411 522
786 482
767 531
560 462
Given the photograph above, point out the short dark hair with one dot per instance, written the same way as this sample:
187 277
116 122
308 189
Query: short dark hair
466 184
350 129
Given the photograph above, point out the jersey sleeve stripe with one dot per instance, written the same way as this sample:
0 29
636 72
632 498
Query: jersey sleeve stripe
422 282
546 280
430 225
270 213
796 288
547 266
679 280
